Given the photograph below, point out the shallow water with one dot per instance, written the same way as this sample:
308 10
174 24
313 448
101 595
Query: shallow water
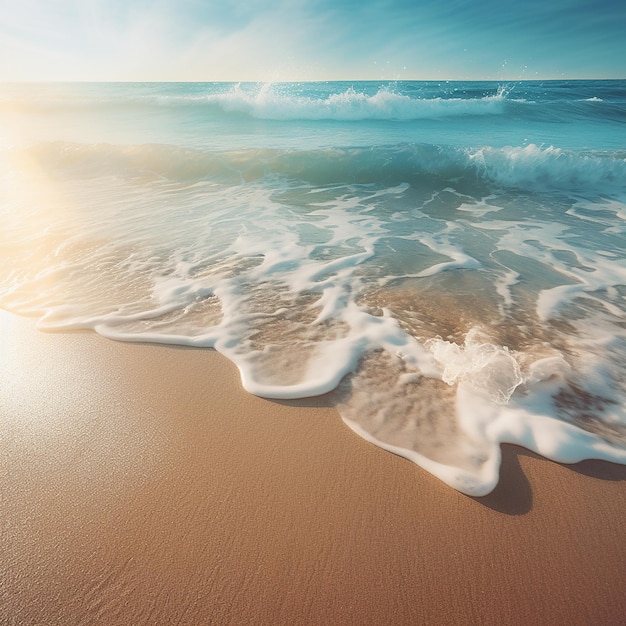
448 258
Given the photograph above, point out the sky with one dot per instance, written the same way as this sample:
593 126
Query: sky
240 40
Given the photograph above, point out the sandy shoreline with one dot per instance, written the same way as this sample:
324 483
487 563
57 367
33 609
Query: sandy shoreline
140 484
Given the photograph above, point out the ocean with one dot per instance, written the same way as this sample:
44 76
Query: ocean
445 259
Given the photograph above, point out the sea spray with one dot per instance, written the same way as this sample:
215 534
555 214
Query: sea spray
485 366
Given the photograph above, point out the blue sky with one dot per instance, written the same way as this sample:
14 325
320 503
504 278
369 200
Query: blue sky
311 39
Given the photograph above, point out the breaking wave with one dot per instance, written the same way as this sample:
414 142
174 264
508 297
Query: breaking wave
350 104
531 165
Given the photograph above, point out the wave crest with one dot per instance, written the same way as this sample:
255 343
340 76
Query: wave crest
351 105
537 167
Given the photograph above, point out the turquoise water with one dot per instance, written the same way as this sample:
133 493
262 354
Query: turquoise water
446 258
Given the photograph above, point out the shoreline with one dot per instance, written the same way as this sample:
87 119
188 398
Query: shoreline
140 484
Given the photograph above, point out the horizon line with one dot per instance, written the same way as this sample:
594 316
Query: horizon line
310 80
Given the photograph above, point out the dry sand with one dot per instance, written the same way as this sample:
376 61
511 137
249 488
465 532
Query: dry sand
140 485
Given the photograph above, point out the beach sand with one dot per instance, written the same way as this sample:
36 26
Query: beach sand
140 484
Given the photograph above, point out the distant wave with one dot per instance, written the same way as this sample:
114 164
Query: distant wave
352 105
324 102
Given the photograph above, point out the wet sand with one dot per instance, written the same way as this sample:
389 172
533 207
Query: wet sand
140 484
